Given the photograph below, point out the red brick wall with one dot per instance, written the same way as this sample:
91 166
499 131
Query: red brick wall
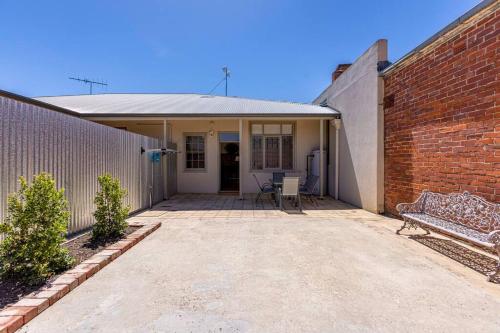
442 115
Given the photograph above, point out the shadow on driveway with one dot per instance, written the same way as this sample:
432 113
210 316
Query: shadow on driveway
475 260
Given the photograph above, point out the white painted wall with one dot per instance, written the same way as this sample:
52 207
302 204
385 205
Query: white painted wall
358 94
306 140
208 181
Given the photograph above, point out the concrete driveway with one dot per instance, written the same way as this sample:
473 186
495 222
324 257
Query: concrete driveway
344 272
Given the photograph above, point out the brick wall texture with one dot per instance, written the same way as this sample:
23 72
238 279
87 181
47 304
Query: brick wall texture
442 115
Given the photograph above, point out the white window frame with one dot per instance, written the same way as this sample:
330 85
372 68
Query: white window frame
280 136
204 169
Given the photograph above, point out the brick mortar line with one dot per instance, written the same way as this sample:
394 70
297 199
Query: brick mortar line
15 316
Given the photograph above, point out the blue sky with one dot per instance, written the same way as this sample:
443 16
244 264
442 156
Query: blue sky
275 49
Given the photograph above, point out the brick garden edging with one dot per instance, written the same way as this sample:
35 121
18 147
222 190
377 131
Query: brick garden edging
15 316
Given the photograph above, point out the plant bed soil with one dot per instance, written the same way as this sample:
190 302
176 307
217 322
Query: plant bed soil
80 248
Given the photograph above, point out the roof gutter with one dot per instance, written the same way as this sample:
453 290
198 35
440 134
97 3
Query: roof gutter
207 115
482 5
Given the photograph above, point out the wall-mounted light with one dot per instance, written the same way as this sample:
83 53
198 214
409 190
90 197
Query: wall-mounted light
211 131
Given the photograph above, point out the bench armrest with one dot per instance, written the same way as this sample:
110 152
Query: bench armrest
407 208
494 237
414 207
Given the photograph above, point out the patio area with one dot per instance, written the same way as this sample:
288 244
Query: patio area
220 264
220 206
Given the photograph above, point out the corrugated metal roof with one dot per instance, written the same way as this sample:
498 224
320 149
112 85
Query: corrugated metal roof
183 105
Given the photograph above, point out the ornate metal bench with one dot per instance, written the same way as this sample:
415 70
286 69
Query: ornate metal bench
464 216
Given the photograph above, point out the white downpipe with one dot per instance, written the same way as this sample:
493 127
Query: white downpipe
337 130
165 133
321 158
240 163
165 167
151 187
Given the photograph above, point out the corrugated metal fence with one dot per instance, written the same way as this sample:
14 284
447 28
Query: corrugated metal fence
75 151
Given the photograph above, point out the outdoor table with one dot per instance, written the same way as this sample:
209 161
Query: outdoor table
277 186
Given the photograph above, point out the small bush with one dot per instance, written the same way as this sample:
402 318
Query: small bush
110 212
34 229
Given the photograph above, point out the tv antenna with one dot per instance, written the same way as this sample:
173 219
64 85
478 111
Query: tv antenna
89 82
226 75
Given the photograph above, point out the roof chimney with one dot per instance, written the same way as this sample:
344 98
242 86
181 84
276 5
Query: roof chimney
341 68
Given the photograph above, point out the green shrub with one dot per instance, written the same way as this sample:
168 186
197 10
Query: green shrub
110 212
34 229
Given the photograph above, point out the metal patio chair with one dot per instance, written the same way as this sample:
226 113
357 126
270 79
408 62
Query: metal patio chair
265 188
290 189
308 188
278 178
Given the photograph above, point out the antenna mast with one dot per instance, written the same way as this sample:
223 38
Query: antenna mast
89 82
226 75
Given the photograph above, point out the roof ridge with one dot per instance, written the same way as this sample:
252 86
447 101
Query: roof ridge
268 100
